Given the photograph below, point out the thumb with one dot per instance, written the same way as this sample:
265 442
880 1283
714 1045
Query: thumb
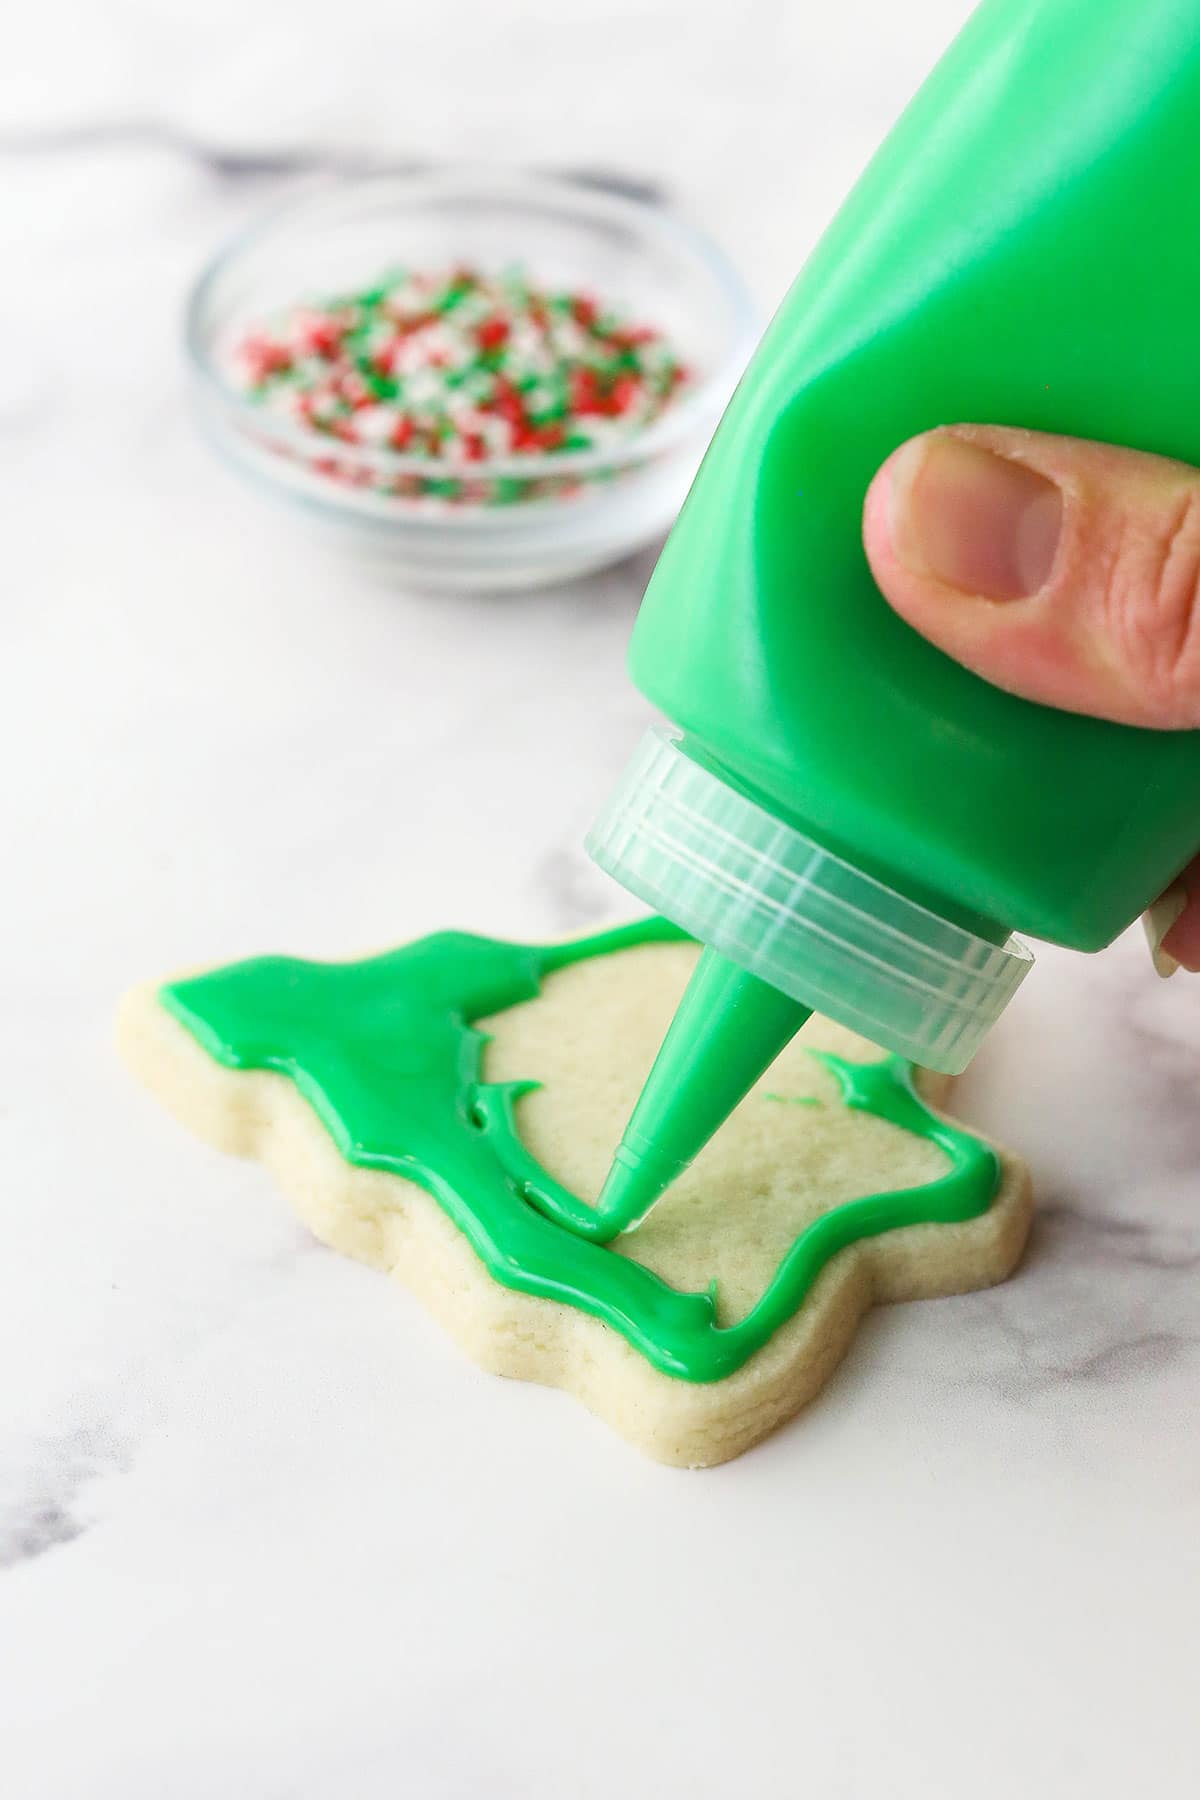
1064 571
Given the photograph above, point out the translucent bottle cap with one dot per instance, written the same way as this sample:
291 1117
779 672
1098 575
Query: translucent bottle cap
814 926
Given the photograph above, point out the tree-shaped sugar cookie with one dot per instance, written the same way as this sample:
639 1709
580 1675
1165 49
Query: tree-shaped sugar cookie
445 1112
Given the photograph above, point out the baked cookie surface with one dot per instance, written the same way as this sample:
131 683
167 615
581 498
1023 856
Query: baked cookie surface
412 1104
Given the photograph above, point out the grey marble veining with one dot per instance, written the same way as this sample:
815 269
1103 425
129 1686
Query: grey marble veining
47 1486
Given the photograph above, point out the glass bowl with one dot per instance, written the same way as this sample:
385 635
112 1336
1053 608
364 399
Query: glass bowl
580 509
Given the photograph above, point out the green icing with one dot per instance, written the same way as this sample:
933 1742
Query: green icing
386 1054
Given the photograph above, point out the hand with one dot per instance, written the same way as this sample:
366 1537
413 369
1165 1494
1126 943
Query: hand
1064 571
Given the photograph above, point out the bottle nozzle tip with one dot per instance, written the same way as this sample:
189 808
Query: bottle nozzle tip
634 1182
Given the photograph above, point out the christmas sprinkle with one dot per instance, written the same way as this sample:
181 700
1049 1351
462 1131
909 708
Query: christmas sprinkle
459 369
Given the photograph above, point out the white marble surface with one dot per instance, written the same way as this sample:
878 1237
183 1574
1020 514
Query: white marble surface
266 1534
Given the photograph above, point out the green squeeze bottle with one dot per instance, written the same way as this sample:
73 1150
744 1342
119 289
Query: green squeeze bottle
845 818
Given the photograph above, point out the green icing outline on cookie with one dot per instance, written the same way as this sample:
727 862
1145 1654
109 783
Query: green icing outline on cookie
386 1053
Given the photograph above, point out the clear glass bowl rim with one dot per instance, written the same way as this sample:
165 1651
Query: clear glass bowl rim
695 407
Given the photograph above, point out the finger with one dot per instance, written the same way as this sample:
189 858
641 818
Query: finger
1158 922
1182 940
1065 571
